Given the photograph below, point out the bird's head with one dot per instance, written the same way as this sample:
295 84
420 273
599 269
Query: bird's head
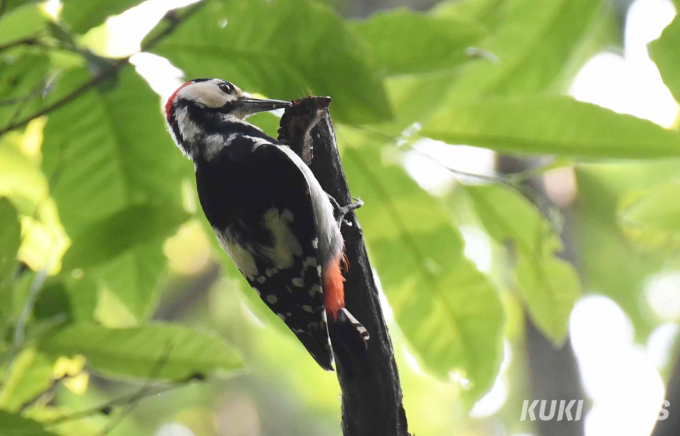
202 107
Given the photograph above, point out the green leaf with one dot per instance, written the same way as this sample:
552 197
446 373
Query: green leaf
283 49
20 78
549 285
483 11
651 218
664 51
26 186
534 42
404 41
10 238
15 425
529 47
447 309
110 150
112 236
93 425
82 15
550 125
31 374
13 4
134 277
152 351
72 298
21 23
112 160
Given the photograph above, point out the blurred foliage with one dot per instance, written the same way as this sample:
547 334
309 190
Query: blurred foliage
94 198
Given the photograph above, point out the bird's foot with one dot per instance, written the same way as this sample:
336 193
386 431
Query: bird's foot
341 211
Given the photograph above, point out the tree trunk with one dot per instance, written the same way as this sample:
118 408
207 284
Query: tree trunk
371 393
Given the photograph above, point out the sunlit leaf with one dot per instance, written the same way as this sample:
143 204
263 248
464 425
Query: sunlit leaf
405 41
549 285
15 425
550 125
526 50
651 218
664 51
21 23
153 351
447 309
533 43
110 155
85 426
22 181
31 374
82 15
109 150
283 49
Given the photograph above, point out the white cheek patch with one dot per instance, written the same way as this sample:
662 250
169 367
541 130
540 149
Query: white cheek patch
241 256
286 245
187 128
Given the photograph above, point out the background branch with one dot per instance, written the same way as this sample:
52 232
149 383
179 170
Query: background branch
371 391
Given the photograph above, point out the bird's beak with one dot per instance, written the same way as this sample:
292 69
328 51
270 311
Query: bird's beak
250 106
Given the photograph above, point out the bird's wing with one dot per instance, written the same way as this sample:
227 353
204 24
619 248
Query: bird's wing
275 245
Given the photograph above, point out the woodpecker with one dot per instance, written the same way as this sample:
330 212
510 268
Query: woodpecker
267 210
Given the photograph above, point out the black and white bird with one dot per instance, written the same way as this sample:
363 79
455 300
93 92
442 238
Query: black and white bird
267 209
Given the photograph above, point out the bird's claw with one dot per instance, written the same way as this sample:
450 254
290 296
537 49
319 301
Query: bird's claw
341 211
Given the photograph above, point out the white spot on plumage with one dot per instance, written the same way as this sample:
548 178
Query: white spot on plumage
282 316
297 281
271 299
286 245
242 257
315 242
310 261
318 270
307 308
256 290
271 271
317 288
261 279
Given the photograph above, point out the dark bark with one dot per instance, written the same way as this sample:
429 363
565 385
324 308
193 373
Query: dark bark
371 392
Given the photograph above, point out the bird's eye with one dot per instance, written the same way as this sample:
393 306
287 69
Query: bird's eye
226 87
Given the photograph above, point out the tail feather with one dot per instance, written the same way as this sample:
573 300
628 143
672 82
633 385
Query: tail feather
348 332
320 351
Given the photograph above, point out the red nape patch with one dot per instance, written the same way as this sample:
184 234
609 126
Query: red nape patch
334 288
168 104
